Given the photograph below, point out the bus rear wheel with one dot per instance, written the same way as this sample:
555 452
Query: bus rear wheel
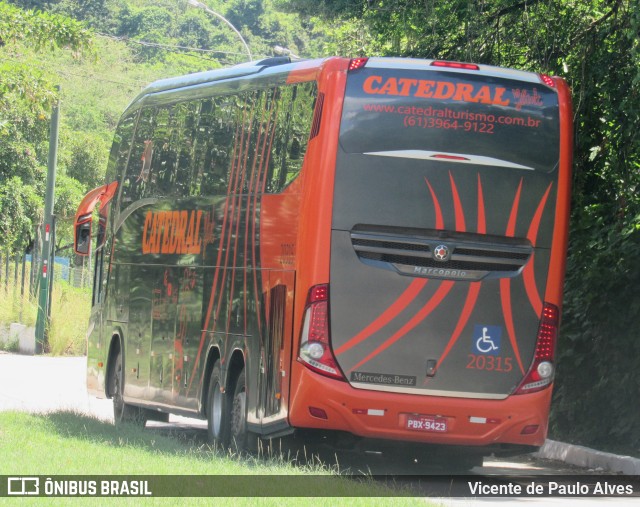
241 438
218 413
123 412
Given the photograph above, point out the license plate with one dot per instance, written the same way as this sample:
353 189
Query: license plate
426 423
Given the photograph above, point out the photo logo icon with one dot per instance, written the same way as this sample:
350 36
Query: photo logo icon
23 486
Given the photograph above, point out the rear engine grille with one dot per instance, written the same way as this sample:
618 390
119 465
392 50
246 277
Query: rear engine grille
467 256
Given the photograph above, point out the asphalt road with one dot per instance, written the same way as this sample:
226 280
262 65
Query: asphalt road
43 384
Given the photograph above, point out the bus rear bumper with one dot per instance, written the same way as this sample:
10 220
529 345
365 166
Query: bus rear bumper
322 403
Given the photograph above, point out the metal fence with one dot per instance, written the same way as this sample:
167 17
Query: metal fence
21 271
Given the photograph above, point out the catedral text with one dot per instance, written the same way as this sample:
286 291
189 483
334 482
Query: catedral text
172 232
442 90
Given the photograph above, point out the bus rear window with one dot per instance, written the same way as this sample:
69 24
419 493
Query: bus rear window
466 117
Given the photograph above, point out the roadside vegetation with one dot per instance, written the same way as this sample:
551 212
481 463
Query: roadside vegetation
69 315
65 443
103 52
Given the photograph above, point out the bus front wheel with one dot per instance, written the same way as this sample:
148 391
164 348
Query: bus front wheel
218 413
123 412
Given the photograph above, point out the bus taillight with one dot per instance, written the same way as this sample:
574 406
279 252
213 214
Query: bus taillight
357 63
455 65
315 349
548 80
542 370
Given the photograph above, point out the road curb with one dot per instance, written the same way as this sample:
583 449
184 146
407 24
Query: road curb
589 458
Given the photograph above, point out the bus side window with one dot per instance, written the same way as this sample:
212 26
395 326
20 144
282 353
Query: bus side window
139 174
250 129
182 158
103 251
203 127
101 262
119 155
291 136
163 156
163 148
118 158
215 141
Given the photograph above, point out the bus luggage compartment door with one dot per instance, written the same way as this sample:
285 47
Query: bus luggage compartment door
275 354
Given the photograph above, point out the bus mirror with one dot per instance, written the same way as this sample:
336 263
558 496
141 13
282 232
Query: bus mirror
83 238
99 196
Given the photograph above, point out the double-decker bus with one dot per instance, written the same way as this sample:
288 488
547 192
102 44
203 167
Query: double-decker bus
371 248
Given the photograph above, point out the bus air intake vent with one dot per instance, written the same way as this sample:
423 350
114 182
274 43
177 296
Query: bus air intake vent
434 254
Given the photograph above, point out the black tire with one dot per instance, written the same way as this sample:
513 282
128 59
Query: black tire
123 412
241 438
218 409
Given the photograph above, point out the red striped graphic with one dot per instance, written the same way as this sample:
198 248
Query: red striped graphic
235 176
505 296
214 292
239 214
511 225
260 185
529 271
414 288
474 287
457 206
436 205
404 300
482 222
424 312
532 234
469 305
505 284
252 204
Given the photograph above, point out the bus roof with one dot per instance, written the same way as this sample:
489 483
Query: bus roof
284 64
486 70
277 65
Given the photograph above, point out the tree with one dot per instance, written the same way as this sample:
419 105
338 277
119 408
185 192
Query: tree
26 95
194 29
83 158
245 13
23 129
41 29
20 210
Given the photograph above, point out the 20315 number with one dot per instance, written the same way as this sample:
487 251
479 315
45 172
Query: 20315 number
490 363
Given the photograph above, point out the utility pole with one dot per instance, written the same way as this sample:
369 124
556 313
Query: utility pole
42 322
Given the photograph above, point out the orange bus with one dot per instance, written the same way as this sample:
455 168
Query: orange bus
370 248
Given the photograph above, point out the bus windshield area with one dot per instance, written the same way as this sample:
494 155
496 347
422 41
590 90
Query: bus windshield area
457 117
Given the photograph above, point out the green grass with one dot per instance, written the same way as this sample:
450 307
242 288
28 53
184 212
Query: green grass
69 319
15 307
65 443
10 344
69 313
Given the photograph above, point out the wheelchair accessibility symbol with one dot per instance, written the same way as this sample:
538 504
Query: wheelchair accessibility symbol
486 339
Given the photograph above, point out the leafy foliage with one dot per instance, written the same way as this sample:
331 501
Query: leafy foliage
41 29
26 97
595 46
137 42
598 364
19 83
19 205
